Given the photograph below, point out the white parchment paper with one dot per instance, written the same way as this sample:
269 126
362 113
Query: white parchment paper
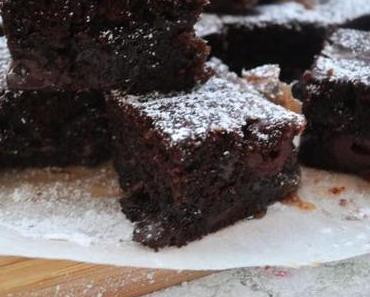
74 214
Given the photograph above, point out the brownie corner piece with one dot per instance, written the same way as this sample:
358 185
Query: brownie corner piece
193 163
337 105
79 45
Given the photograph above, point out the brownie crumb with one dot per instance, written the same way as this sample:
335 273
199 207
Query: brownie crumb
337 190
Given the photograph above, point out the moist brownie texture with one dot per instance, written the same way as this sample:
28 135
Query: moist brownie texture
231 6
337 105
50 128
91 44
193 163
288 34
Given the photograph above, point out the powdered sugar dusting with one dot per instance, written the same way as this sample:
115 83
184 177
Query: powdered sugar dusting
64 204
345 57
325 13
36 205
208 24
290 13
221 104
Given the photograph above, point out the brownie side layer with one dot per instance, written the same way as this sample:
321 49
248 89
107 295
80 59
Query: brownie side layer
337 106
194 163
52 129
348 153
90 44
231 6
337 136
274 44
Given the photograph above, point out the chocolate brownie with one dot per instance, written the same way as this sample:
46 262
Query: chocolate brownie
193 163
337 105
231 6
50 128
92 44
288 34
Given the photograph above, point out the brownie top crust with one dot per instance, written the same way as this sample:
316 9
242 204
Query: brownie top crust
80 12
324 13
219 105
346 57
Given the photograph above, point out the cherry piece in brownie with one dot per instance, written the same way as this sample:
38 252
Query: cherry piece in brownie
230 6
193 163
288 34
50 128
92 44
337 105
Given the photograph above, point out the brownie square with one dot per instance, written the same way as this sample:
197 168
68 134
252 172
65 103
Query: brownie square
337 105
231 6
50 128
91 44
289 34
193 163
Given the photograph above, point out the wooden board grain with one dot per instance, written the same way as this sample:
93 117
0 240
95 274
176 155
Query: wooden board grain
43 278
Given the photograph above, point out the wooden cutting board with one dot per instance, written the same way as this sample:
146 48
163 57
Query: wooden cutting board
45 278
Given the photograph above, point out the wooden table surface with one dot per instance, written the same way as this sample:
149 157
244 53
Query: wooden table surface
39 278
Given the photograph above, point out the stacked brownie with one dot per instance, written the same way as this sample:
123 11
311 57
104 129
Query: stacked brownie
194 162
104 44
50 127
337 105
66 54
289 33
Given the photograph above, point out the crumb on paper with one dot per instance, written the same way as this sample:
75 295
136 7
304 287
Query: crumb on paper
343 202
296 201
337 190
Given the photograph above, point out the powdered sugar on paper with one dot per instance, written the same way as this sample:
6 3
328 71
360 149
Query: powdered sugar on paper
74 214
64 204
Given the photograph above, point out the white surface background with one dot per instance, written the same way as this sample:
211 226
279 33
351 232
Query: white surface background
350 278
